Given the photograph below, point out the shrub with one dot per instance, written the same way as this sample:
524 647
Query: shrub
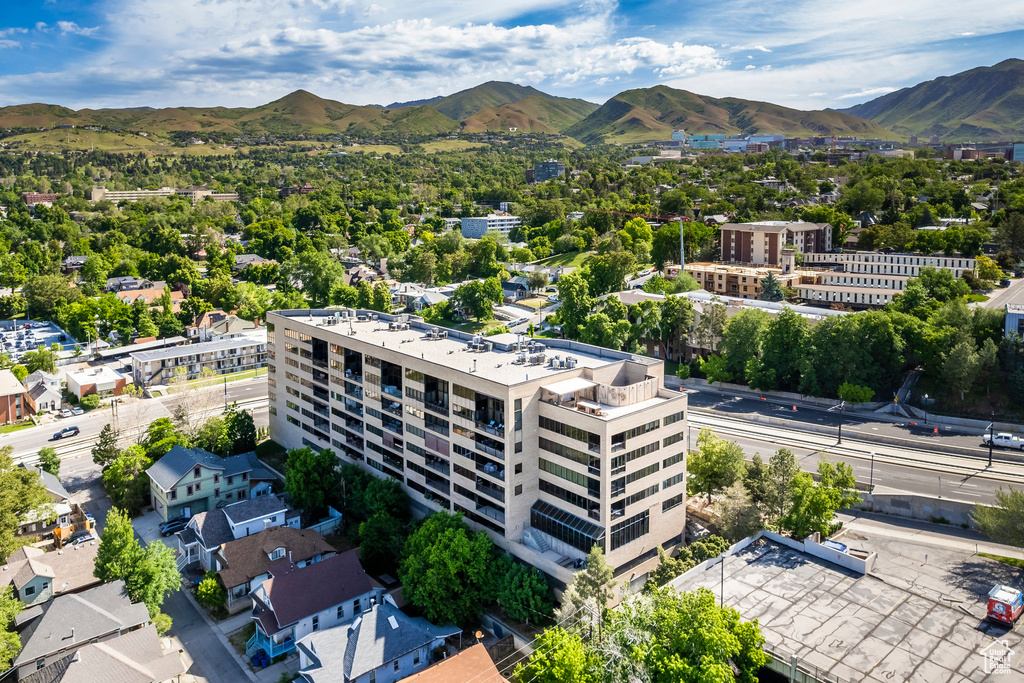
162 623
91 401
210 593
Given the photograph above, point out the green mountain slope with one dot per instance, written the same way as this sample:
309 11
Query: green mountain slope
534 114
465 103
986 103
653 113
297 113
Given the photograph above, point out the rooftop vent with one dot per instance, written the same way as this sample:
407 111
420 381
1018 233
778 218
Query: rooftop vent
393 623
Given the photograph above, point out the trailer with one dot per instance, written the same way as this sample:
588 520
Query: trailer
1005 604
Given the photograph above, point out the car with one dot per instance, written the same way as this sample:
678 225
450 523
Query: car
77 411
553 298
173 526
66 433
66 412
79 537
1003 440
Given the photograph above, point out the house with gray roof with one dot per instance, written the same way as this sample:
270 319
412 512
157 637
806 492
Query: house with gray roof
186 481
382 645
43 391
135 657
70 621
38 576
297 601
208 531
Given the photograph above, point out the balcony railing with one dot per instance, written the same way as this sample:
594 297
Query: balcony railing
491 512
260 642
391 407
491 451
492 427
439 486
489 490
391 390
440 408
491 469
441 466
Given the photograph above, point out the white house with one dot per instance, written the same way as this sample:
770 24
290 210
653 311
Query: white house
208 531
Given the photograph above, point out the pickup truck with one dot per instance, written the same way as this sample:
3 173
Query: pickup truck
1004 440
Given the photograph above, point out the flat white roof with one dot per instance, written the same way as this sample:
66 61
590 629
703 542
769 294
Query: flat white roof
569 386
100 373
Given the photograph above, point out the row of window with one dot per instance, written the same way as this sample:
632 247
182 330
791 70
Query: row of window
672 481
674 417
592 462
668 462
675 438
630 529
568 496
619 461
637 431
569 431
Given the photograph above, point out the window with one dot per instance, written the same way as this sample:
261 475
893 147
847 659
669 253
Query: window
519 489
30 590
316 623
416 658
188 490
40 663
199 485
197 472
396 666
356 609
216 479
373 677
245 476
216 493
341 611
231 480
277 554
174 494
519 468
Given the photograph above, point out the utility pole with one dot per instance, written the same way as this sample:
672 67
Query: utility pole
842 408
871 482
682 256
991 427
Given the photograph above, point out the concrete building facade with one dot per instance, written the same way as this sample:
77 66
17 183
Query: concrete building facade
762 243
551 448
234 353
908 265
475 228
548 170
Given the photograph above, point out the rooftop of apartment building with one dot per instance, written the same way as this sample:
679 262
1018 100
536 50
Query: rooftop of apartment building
507 359
774 226
223 344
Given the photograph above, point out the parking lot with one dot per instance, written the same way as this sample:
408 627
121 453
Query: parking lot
16 339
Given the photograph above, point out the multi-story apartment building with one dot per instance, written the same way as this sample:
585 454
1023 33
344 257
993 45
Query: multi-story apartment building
101 193
907 265
230 353
476 228
761 243
552 448
544 171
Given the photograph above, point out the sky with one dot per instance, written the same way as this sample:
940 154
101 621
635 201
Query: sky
807 54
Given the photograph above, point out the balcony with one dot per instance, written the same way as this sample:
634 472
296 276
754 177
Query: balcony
439 408
272 649
354 408
354 376
391 424
489 489
494 513
391 390
439 465
354 391
391 407
319 363
492 427
491 469
439 485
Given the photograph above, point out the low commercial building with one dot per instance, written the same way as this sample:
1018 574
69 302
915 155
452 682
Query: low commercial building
1014 322
475 228
101 193
101 380
550 447
544 171
228 354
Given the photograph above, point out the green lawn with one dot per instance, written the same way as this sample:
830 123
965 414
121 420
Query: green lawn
569 258
535 304
219 379
7 429
977 298
1012 561
482 327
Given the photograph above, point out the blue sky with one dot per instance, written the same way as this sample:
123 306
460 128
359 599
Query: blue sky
802 53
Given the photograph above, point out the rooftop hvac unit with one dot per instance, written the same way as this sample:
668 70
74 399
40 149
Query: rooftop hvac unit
374 317
521 357
489 346
553 362
570 362
444 334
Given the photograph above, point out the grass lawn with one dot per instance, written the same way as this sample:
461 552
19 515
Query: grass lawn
1012 561
7 429
482 327
240 637
977 298
379 150
219 379
535 304
569 258
450 146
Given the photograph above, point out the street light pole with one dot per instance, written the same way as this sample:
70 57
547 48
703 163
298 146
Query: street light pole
842 409
991 427
871 482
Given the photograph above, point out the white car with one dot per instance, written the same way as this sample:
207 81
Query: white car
67 412
553 298
77 411
1004 440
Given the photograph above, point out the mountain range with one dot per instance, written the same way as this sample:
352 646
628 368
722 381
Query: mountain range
983 103
986 103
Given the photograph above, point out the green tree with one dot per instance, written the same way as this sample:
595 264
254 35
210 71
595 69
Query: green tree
711 325
716 369
478 298
118 550
20 493
49 460
312 480
814 504
381 541
154 577
1002 522
960 367
714 466
782 353
44 294
41 359
738 515
162 623
560 657
595 581
741 342
364 295
574 292
771 290
318 272
125 480
106 448
446 572
209 592
524 593
855 393
90 401
10 642
239 430
381 297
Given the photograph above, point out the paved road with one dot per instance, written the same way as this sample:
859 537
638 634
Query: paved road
27 442
210 661
1012 294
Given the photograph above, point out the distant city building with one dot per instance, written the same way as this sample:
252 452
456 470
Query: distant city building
933 140
761 243
296 189
1016 152
33 198
679 136
101 193
223 356
478 227
913 139
548 170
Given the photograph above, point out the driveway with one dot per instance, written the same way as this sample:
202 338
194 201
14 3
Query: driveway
147 527
210 661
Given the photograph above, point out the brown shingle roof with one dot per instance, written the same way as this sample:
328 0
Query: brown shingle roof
299 593
472 664
249 557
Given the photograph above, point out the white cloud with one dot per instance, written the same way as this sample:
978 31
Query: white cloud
869 92
41 26
70 27
7 44
749 67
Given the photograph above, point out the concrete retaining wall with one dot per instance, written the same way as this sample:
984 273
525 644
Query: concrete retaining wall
861 565
924 508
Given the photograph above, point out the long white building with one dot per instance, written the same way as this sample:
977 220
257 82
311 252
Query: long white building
551 448
476 228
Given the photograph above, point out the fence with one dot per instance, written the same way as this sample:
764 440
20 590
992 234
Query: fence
329 524
796 669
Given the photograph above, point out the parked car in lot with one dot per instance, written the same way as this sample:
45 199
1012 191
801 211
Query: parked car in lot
77 411
66 433
1004 440
79 537
66 412
173 526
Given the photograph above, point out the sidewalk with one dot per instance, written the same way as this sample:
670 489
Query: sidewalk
937 535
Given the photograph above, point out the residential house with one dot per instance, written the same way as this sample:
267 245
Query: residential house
208 531
225 355
243 260
135 657
295 602
14 404
382 645
59 517
187 481
68 622
243 564
42 392
404 294
38 576
128 283
428 299
102 380
73 263
217 323
151 296
472 664
516 288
